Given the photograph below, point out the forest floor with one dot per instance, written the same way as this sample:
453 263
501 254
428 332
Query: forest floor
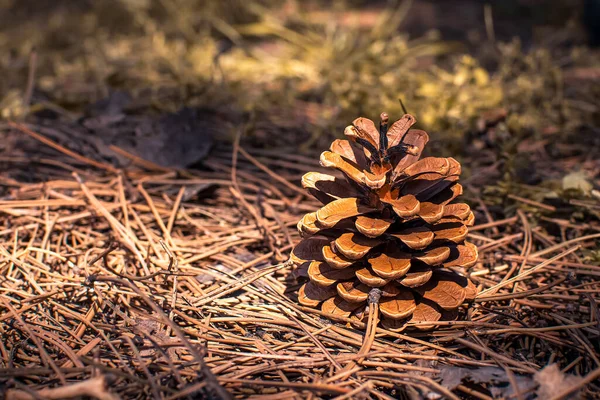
140 261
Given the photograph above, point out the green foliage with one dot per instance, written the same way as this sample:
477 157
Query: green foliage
265 59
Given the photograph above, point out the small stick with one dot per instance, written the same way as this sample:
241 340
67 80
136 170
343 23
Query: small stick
60 148
93 387
30 78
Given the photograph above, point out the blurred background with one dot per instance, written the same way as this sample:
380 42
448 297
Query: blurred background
509 87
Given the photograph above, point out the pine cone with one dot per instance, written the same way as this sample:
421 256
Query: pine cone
388 232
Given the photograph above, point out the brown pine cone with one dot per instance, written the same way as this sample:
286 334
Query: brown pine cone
389 224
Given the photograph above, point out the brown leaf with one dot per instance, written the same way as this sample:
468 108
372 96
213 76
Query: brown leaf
398 307
553 381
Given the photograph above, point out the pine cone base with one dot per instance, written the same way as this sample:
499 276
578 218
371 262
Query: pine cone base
389 230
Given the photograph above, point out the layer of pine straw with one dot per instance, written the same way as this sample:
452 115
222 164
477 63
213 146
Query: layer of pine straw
154 283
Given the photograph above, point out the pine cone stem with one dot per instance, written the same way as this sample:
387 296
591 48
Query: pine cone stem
372 323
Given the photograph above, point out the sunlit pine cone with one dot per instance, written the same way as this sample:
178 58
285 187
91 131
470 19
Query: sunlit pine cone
389 223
